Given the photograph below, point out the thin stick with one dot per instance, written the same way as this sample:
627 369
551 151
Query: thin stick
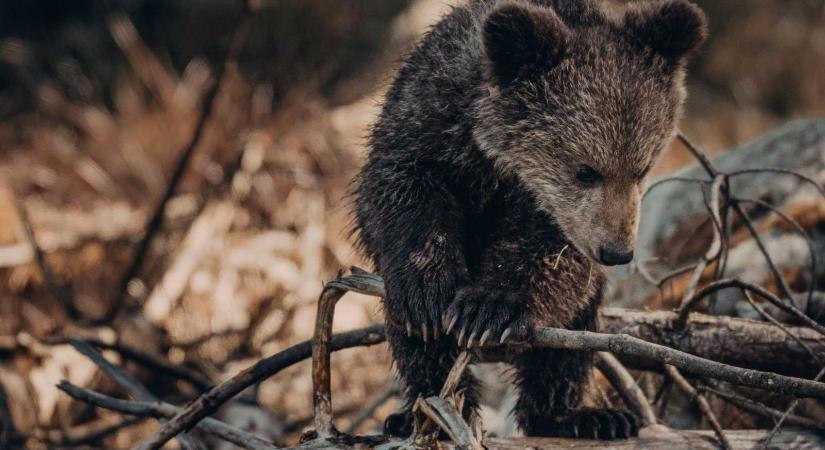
128 382
799 229
715 247
210 401
701 401
807 179
60 292
83 434
147 360
788 307
627 387
758 409
156 220
781 326
164 410
321 370
780 279
787 413
664 181
427 433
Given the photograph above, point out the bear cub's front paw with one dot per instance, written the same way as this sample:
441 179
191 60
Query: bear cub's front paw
479 315
591 424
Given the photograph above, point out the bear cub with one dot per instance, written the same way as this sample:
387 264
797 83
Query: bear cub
506 168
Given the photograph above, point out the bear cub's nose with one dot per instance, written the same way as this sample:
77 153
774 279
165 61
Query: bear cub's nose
612 257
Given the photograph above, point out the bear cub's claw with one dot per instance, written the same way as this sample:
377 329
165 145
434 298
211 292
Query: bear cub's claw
480 315
591 424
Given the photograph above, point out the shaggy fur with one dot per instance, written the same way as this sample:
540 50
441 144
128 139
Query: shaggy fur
507 163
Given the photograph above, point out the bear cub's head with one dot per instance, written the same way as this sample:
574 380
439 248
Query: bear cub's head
579 102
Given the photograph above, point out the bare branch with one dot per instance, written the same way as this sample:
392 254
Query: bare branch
156 221
60 292
627 387
128 382
619 344
210 401
158 409
761 410
788 307
701 401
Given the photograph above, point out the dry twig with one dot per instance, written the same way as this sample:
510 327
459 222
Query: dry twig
627 387
701 401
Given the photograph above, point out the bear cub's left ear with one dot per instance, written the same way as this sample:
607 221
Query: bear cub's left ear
521 37
671 28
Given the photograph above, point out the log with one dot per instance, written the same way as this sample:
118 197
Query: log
671 440
734 341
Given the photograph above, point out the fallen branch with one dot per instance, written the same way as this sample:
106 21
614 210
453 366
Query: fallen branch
129 383
671 440
758 409
627 387
621 345
164 410
210 401
701 401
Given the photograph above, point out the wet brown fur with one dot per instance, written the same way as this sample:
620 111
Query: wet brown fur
471 204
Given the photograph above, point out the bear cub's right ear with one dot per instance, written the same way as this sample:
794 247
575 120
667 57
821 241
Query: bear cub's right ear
520 38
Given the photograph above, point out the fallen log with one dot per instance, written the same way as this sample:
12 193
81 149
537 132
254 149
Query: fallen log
734 341
671 440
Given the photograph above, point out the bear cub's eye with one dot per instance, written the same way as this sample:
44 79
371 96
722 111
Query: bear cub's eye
588 175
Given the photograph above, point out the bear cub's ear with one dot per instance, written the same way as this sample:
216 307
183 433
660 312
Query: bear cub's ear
519 37
672 28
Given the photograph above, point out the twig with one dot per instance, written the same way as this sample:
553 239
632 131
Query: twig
147 360
156 220
713 251
699 154
787 413
781 326
426 433
799 229
210 401
664 181
444 413
807 179
758 409
59 291
701 401
376 402
127 381
164 410
788 307
780 279
84 434
321 370
626 386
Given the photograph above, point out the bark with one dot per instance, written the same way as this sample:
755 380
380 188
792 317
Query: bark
738 342
676 440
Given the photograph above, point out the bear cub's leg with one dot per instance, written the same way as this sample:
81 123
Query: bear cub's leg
423 368
551 383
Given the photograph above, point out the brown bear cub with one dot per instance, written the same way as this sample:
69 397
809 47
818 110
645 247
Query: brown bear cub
506 168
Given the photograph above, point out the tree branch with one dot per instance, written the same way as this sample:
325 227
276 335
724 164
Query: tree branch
159 410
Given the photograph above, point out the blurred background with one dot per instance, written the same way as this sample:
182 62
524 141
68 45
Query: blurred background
98 101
